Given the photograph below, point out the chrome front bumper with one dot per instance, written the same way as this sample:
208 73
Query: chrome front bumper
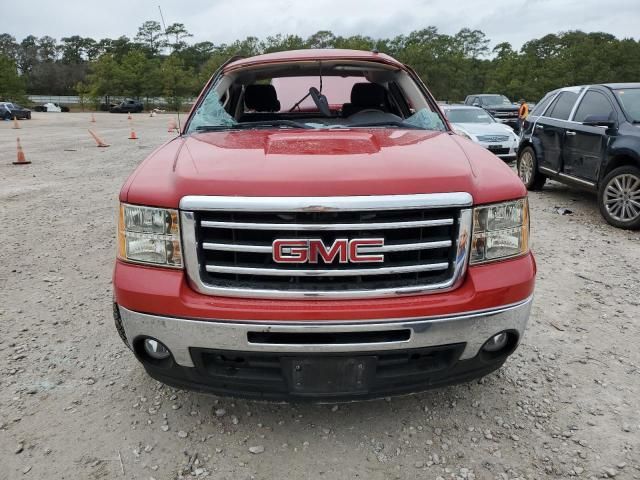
473 329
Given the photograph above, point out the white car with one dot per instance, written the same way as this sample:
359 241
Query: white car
478 125
52 107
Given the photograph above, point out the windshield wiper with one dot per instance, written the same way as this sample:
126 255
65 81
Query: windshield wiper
250 125
389 123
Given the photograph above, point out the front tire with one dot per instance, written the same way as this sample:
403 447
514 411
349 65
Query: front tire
528 169
619 197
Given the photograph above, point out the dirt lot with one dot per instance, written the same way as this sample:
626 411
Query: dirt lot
74 403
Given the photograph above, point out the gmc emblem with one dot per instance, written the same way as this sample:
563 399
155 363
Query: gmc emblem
312 250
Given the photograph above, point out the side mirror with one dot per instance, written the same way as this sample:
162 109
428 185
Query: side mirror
599 121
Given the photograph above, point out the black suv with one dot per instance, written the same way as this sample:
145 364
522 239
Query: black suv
499 106
127 106
589 137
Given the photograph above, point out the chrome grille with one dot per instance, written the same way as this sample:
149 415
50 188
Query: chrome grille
493 138
506 114
228 251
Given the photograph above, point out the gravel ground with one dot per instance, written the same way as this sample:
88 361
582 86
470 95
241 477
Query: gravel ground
74 403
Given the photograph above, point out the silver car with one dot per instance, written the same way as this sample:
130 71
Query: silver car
478 125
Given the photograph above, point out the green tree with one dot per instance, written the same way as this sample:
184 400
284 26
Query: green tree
74 48
355 42
105 77
472 43
47 49
177 81
139 76
11 85
195 56
27 55
151 37
321 39
8 46
280 42
179 32
453 66
118 47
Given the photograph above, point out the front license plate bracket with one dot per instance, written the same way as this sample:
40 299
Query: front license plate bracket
329 376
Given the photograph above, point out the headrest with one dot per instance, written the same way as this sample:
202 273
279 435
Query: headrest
261 98
367 95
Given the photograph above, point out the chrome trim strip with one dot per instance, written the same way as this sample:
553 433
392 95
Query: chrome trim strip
326 226
472 328
192 267
567 177
281 272
576 179
407 247
548 170
236 247
325 204
404 247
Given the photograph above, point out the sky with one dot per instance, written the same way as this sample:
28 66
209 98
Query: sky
222 21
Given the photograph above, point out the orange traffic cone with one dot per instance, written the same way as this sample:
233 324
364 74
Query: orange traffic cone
21 158
172 126
16 125
99 142
133 135
93 118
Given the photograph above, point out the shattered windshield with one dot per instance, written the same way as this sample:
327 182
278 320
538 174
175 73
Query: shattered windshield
211 112
313 102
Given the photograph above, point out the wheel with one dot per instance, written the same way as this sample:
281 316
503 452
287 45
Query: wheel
29 116
619 197
528 169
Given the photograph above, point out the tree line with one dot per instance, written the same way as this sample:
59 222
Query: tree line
158 62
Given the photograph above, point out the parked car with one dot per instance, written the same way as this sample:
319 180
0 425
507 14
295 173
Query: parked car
478 125
341 251
51 107
499 106
588 137
10 110
127 106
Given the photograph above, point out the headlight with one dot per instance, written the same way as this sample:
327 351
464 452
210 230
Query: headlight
462 133
149 235
500 231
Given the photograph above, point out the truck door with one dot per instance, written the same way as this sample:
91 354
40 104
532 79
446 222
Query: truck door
585 145
550 130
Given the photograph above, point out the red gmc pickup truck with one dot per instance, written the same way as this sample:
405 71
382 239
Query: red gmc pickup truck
332 243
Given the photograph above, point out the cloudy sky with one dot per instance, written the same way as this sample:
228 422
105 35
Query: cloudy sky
220 21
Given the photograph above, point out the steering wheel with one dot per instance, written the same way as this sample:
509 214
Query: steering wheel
367 112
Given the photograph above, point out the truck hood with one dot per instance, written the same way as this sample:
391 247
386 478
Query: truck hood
319 163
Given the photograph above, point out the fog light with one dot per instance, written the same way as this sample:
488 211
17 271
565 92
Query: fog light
495 343
155 349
